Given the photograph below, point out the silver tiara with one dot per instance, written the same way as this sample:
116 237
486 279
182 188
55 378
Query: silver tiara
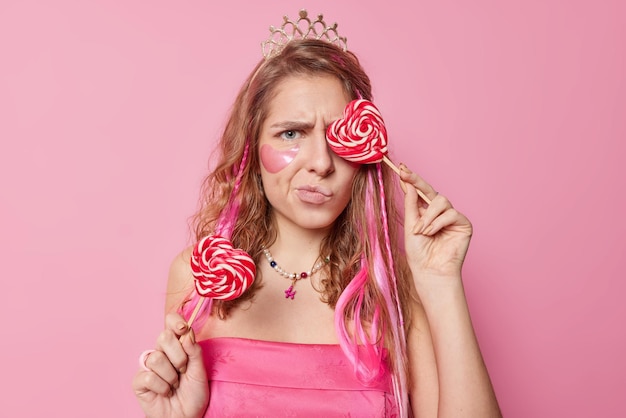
303 28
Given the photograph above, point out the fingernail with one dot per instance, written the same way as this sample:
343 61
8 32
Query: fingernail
427 230
404 168
182 370
181 326
418 227
176 384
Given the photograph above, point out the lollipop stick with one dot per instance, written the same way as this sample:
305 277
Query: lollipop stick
193 316
397 170
391 164
195 311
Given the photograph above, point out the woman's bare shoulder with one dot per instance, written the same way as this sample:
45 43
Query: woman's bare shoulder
180 280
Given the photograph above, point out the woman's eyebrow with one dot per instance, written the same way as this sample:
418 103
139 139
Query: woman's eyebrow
293 125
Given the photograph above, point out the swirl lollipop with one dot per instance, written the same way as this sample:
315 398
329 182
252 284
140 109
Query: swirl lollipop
219 270
361 137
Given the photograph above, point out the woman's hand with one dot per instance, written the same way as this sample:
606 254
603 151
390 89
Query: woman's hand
176 384
437 235
443 350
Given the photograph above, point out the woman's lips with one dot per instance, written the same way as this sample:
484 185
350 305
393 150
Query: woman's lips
313 194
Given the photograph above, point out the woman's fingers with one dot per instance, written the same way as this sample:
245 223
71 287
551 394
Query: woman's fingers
447 218
427 219
169 359
196 370
439 205
160 365
172 380
414 179
170 340
176 323
145 383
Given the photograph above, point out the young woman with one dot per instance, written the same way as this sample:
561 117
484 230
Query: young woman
365 329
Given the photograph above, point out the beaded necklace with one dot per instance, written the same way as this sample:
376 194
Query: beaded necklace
294 277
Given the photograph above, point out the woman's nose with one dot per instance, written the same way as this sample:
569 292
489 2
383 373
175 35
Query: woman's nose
319 155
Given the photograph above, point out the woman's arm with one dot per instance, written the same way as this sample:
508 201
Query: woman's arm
423 375
449 377
179 282
443 350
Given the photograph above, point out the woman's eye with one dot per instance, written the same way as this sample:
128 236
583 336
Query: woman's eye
290 135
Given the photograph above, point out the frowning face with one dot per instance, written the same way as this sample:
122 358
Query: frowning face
306 183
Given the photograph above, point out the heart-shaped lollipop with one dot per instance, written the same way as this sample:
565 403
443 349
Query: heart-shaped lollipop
361 137
220 271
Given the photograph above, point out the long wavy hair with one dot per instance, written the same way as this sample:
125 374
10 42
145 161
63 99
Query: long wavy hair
367 281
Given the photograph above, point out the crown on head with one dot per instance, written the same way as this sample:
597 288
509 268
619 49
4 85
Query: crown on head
303 28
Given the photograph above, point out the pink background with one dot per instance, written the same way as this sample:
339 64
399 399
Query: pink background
108 110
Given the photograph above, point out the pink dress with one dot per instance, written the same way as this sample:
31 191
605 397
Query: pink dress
252 378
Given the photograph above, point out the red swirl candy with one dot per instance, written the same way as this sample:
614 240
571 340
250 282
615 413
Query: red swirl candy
221 271
360 136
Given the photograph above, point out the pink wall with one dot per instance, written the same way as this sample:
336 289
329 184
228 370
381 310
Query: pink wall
516 110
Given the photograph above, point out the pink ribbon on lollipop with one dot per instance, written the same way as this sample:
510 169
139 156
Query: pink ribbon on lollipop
361 137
